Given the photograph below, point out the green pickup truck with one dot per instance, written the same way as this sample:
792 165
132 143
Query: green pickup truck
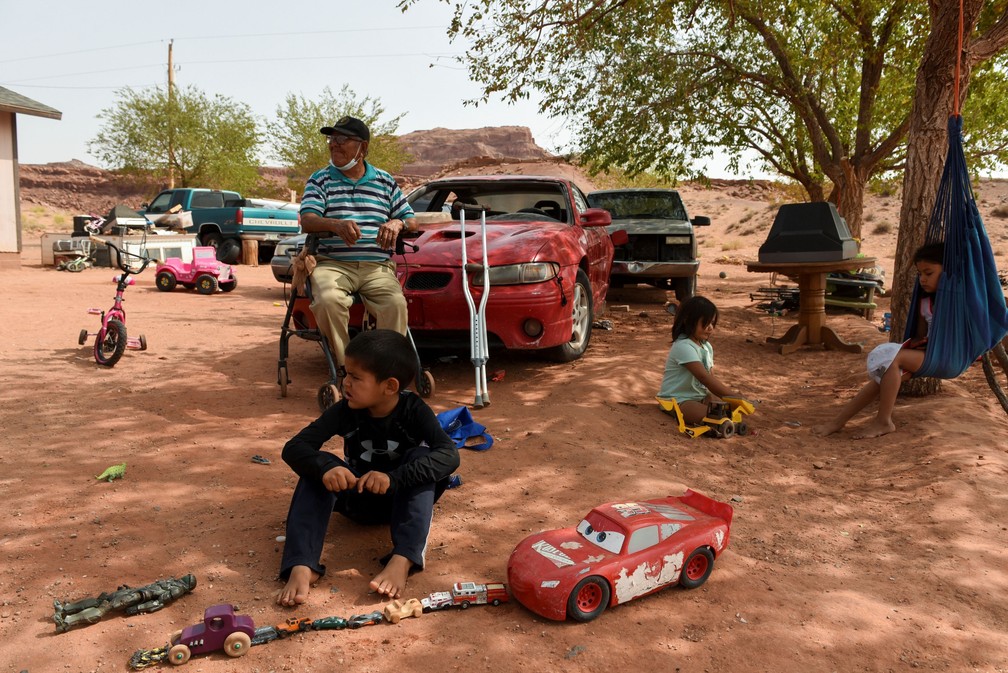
224 219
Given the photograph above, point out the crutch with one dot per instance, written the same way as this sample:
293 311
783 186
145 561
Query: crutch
478 347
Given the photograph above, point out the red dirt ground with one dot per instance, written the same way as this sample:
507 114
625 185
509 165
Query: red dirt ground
872 555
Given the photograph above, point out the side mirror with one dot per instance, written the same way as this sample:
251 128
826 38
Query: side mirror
700 221
619 237
144 206
596 217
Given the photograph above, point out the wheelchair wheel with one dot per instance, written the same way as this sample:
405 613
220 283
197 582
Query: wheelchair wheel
425 384
328 395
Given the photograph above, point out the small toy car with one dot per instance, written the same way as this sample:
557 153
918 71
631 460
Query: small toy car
439 600
620 551
357 621
329 623
221 629
398 609
205 274
723 419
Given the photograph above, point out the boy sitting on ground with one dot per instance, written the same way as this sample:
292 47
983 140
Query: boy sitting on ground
397 463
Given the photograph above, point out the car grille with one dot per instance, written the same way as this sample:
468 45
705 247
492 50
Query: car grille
653 249
428 280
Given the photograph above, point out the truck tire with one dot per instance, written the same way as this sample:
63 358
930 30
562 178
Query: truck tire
684 288
229 251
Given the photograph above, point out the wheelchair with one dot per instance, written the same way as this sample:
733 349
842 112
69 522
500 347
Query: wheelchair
300 322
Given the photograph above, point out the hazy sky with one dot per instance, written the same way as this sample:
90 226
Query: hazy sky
73 56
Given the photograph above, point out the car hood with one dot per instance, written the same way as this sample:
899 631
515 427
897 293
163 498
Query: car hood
649 226
555 554
507 243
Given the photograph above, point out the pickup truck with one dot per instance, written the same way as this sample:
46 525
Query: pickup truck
224 219
662 246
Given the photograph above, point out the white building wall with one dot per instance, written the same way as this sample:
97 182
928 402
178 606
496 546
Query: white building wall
8 186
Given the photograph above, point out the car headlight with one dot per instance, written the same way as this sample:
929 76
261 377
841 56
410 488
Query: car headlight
518 274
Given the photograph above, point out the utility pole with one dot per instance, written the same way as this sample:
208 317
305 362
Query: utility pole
171 117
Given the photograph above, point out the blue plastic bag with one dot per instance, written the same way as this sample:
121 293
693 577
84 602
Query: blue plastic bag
461 427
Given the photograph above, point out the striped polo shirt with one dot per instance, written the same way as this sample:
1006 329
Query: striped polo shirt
370 202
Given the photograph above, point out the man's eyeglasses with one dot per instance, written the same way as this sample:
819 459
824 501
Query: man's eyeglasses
342 140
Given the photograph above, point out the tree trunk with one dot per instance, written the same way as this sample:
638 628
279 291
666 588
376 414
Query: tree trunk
927 146
850 191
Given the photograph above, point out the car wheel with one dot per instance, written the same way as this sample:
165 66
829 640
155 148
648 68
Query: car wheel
684 287
178 655
206 284
165 281
213 239
237 644
581 315
742 429
697 568
229 251
726 429
229 285
589 599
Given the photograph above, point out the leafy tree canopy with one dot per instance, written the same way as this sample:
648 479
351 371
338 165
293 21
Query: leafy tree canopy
295 141
203 141
819 91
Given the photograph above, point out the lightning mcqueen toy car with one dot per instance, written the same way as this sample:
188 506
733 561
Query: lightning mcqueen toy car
620 551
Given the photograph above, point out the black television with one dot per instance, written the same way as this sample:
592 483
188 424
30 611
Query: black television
808 232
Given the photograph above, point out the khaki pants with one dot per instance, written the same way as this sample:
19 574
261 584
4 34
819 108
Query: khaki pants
376 284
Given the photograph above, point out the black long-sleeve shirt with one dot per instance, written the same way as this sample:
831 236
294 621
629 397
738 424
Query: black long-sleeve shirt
376 443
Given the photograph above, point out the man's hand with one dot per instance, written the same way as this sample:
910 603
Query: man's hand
339 479
374 482
388 232
345 229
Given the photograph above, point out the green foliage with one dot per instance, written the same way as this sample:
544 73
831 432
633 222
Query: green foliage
820 92
294 139
202 141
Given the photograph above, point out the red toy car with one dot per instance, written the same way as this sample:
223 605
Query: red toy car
221 629
205 274
549 256
619 551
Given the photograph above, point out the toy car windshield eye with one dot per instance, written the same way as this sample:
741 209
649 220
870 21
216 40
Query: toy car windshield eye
589 530
601 536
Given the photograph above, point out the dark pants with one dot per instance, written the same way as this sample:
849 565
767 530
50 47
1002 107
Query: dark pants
408 512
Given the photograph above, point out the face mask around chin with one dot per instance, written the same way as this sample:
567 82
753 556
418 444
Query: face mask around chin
345 167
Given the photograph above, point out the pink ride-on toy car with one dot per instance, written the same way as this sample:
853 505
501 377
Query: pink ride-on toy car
205 274
221 629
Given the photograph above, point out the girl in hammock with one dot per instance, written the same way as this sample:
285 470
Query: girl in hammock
890 364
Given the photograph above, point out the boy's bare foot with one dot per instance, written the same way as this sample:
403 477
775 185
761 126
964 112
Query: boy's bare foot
824 429
392 580
295 592
876 429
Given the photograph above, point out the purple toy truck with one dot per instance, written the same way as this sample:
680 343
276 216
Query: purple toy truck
221 629
205 273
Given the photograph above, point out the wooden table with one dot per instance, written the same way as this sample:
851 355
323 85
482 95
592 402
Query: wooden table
811 328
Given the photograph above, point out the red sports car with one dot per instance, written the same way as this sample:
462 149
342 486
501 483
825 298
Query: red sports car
549 256
619 551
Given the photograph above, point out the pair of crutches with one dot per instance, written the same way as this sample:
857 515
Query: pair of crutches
478 346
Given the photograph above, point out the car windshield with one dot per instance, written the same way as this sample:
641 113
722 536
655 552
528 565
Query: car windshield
602 532
640 205
522 202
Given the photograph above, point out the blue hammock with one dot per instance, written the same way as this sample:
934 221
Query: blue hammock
970 316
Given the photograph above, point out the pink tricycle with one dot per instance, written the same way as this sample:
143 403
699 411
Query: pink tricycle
205 274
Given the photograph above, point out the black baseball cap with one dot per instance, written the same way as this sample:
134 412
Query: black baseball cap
348 126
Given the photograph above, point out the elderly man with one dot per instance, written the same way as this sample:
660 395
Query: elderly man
358 211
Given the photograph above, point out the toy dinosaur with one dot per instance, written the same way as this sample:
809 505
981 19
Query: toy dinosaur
113 472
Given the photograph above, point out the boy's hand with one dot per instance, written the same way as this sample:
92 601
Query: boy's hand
374 482
339 479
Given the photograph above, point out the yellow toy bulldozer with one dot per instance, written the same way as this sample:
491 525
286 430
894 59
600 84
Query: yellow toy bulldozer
724 419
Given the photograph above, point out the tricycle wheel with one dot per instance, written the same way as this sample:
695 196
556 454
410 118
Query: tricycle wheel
110 343
282 380
82 337
237 644
697 568
588 599
179 654
425 384
165 281
206 284
328 395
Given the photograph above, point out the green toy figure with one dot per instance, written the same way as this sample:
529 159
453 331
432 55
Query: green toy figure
132 601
